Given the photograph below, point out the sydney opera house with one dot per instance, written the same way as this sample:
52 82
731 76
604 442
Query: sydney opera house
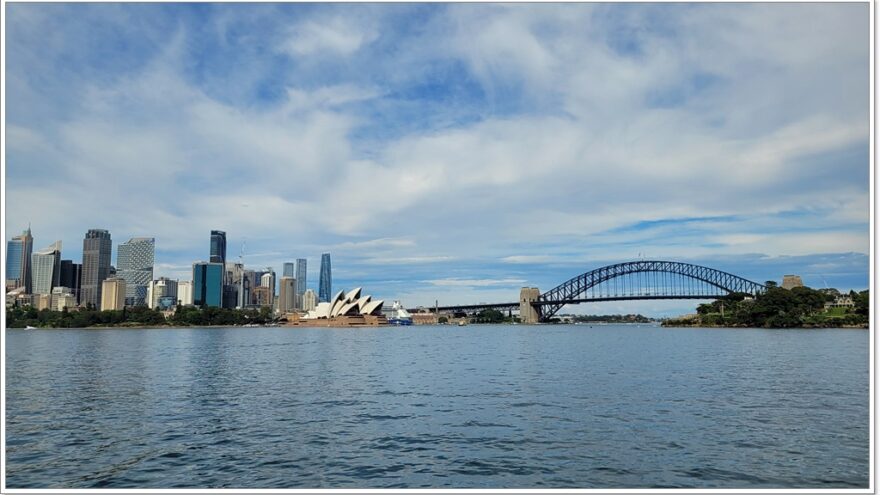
344 309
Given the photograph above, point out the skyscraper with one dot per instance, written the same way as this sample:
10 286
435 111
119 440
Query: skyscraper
46 269
325 284
134 264
218 247
112 294
18 261
288 270
233 290
97 247
267 279
267 282
300 281
71 277
207 287
286 294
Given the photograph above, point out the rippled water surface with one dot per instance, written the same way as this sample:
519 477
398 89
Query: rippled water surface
475 406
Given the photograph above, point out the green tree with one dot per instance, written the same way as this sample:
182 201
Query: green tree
862 302
808 300
489 316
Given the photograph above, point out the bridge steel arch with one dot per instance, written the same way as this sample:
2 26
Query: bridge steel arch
574 290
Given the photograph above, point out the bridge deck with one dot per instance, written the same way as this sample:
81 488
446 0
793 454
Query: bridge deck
633 280
499 306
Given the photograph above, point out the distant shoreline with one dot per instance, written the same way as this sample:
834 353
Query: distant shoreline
679 324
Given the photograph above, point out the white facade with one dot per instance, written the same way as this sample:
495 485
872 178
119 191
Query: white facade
46 269
185 293
351 304
309 300
268 280
62 297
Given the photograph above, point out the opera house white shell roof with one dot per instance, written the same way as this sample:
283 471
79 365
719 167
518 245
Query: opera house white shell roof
342 304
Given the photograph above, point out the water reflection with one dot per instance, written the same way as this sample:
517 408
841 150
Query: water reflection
479 406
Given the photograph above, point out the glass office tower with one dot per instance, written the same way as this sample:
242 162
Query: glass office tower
300 281
288 270
134 264
18 260
325 284
208 284
218 247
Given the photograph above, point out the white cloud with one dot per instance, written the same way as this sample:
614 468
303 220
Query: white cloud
338 35
385 242
407 260
24 139
527 259
516 133
458 282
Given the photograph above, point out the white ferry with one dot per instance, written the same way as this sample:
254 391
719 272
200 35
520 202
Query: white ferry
399 315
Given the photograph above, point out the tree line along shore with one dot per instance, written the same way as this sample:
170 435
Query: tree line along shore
184 316
799 307
776 308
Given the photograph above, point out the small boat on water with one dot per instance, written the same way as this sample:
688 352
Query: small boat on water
462 323
399 315
28 327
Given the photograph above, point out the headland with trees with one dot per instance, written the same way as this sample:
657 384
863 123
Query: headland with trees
798 307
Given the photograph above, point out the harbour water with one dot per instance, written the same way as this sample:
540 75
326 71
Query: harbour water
614 406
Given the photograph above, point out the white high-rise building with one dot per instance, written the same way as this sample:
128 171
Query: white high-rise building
268 280
310 300
46 269
185 293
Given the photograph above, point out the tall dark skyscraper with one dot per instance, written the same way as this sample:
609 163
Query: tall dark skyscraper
288 270
18 260
325 284
207 284
301 280
218 247
95 266
71 277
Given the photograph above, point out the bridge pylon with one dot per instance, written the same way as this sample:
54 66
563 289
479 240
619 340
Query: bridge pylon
528 312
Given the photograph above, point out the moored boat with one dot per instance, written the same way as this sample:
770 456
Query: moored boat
399 315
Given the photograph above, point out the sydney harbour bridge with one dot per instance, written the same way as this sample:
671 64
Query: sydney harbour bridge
634 280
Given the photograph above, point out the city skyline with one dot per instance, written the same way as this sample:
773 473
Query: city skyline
512 145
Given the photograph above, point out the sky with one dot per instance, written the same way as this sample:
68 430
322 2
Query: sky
450 152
